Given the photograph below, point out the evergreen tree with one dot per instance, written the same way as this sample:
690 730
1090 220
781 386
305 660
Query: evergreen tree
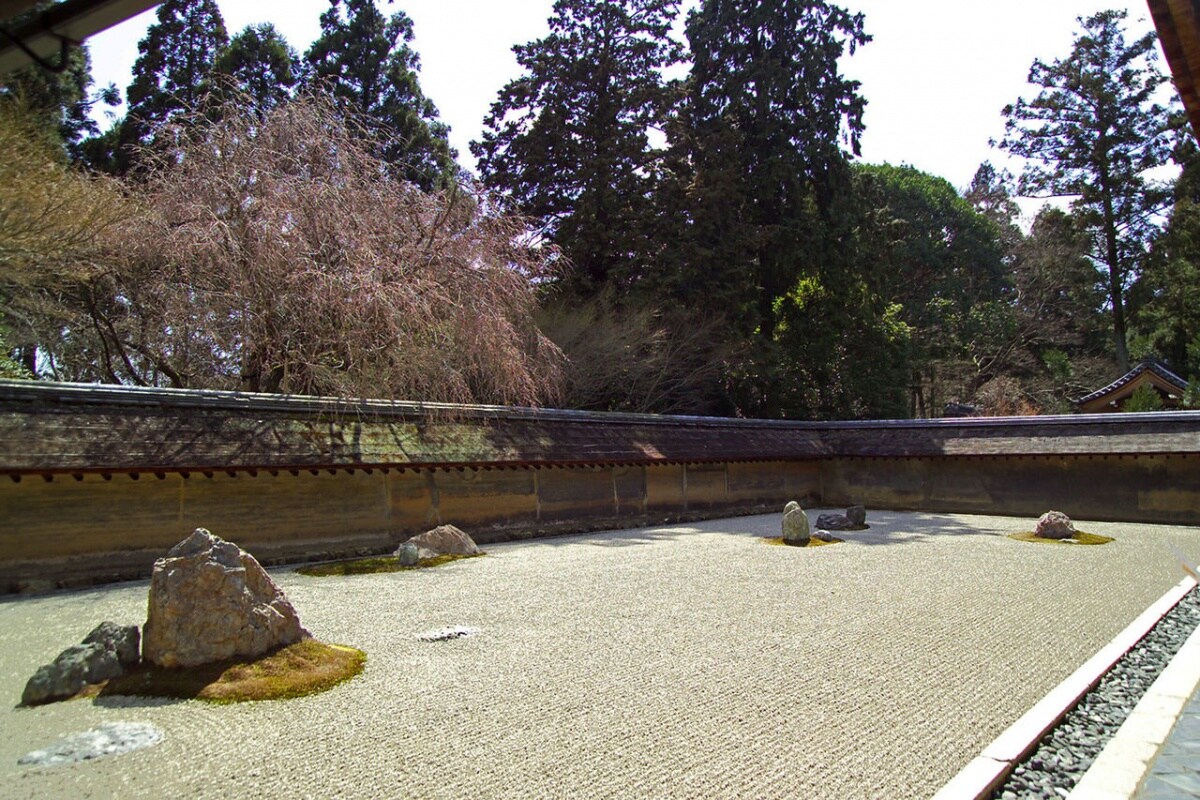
929 253
768 112
1092 133
1168 321
171 74
567 143
260 64
762 142
366 59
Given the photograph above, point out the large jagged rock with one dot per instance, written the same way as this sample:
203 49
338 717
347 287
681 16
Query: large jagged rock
210 601
104 654
795 524
1054 525
444 540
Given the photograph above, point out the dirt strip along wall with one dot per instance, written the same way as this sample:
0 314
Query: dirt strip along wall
97 482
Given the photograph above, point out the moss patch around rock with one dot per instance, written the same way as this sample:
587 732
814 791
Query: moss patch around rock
813 542
304 668
370 566
1080 537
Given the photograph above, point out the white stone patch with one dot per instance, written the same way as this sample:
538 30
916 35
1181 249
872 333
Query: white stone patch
109 739
445 634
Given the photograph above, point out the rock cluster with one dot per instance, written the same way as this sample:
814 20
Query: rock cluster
105 653
444 540
210 601
855 519
1054 525
795 524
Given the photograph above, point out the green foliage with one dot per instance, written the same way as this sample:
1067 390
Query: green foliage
259 64
567 143
1168 320
59 101
764 118
175 59
1093 133
364 58
927 253
1144 398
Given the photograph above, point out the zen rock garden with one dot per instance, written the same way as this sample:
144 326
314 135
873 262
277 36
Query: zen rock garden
1055 527
212 603
797 533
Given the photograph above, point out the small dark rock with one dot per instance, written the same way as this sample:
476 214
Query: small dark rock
124 640
857 515
104 654
833 522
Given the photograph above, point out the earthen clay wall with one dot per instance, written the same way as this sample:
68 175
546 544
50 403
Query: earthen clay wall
66 521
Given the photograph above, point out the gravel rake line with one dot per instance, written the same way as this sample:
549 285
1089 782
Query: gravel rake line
1067 752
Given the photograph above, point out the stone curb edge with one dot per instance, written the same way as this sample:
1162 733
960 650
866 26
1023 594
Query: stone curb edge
989 769
1123 763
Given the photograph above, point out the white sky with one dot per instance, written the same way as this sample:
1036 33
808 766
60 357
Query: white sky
935 77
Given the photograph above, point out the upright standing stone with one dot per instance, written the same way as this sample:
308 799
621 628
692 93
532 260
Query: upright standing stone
857 515
210 601
795 524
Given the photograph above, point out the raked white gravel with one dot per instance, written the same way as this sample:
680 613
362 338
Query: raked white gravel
679 661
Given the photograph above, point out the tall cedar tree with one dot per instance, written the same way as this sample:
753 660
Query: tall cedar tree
1169 316
261 65
768 112
567 143
1091 134
171 74
366 60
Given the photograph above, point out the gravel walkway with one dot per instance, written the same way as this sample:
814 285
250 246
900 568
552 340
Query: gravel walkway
681 661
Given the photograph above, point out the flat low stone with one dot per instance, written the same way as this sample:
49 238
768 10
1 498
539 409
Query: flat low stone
210 600
1054 525
824 536
834 522
444 540
107 739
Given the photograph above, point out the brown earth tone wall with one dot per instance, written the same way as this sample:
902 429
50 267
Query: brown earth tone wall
1121 488
72 531
97 482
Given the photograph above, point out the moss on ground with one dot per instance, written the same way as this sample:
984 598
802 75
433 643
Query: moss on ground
304 668
370 566
1080 537
813 542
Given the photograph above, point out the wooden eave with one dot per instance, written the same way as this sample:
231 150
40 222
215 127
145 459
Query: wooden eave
1178 24
1115 398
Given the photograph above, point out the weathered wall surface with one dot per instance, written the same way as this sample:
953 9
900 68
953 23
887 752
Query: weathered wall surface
101 527
96 482
1129 488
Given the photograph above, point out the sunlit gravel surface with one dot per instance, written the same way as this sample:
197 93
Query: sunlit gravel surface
673 662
